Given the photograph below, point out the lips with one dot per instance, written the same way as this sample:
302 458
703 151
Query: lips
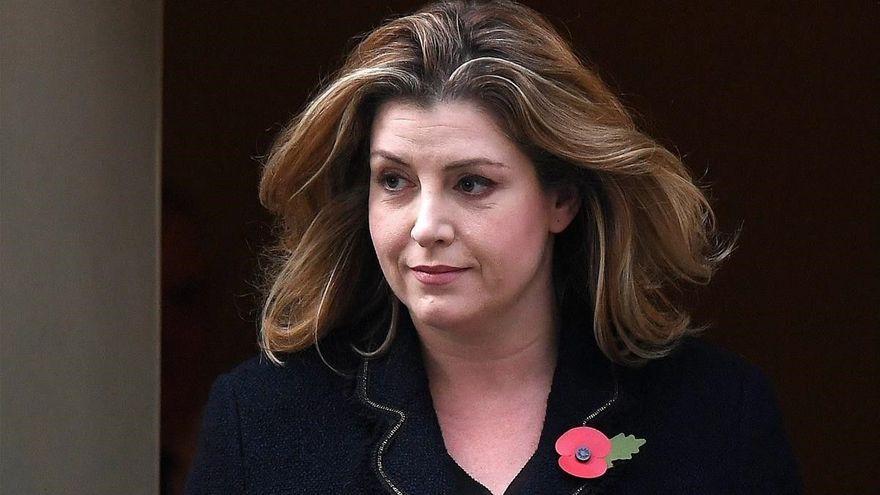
436 268
436 274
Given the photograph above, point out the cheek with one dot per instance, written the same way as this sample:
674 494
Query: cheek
385 232
513 243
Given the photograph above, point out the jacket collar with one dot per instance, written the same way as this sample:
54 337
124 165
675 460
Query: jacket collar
410 456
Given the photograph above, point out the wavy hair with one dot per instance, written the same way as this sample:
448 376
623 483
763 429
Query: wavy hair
644 230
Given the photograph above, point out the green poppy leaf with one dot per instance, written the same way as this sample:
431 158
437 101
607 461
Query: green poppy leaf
623 447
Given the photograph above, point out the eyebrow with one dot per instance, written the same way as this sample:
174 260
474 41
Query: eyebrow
466 162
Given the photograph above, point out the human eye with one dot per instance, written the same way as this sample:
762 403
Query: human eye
474 185
391 181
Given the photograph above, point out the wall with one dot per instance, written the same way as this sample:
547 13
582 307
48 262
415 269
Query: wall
79 223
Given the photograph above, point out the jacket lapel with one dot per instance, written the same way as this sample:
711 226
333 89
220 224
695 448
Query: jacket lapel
585 392
409 457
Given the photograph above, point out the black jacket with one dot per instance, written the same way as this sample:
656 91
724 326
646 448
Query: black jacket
709 419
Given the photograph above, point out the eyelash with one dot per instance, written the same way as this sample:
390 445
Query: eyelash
478 180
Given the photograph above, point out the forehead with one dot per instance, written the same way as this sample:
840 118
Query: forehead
443 129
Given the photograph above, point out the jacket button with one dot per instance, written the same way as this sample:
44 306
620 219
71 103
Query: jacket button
582 454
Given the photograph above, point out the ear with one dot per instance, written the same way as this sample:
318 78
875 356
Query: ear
565 202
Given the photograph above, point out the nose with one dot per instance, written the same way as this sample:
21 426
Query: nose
432 226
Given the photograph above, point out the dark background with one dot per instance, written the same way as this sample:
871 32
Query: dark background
775 104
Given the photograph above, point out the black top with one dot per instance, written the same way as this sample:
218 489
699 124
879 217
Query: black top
709 418
467 485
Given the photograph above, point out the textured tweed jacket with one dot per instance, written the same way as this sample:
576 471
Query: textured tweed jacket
709 419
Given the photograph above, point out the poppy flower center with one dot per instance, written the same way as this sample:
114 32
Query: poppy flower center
582 454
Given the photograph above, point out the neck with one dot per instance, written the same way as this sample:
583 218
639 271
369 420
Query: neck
492 358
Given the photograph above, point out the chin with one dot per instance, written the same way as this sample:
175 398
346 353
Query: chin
438 314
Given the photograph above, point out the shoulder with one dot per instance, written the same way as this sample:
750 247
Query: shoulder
699 366
276 428
700 386
713 409
699 353
260 383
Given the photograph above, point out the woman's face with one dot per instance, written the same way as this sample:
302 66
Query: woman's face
461 226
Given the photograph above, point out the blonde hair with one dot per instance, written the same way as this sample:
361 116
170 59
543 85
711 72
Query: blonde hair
643 231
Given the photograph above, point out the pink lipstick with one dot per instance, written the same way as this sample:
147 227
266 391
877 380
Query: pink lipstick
436 274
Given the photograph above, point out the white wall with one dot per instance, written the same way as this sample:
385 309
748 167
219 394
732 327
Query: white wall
80 92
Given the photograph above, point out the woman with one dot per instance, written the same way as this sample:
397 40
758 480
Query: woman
474 289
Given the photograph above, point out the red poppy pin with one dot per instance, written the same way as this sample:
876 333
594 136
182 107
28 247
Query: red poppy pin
587 453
